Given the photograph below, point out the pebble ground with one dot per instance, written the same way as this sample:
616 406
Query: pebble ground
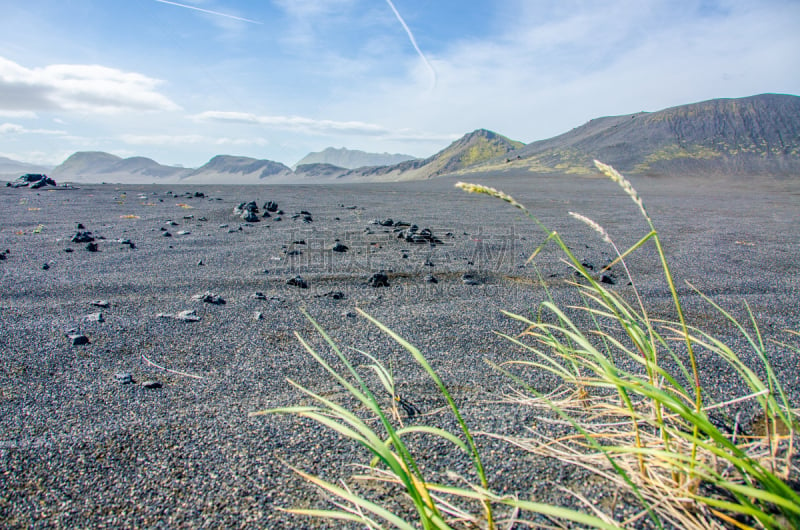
82 446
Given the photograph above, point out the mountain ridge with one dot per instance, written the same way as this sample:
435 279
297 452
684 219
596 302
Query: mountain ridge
754 135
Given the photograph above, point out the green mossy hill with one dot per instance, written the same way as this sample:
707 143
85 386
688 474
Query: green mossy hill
471 149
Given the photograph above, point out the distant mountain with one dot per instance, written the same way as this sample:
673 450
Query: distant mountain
97 166
226 169
473 148
318 172
11 169
351 159
755 135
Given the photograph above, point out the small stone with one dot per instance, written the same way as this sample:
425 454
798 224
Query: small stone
379 279
100 303
298 281
123 378
78 339
95 317
188 315
335 295
200 263
430 278
223 226
91 247
46 267
151 384
68 250
82 237
209 298
469 279
338 247
258 316
166 234
258 295
608 279
184 233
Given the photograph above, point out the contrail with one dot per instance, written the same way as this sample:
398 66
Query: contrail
209 12
414 42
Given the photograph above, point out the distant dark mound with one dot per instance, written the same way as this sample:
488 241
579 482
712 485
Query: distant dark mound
242 165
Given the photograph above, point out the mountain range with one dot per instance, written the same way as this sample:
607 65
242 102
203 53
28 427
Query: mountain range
757 135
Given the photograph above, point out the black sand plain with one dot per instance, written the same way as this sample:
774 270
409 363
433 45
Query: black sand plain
80 448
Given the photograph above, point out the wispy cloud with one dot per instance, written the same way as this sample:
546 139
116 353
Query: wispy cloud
414 42
325 127
210 12
78 87
13 128
190 139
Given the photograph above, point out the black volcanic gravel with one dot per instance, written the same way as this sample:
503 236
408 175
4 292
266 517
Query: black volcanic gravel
83 446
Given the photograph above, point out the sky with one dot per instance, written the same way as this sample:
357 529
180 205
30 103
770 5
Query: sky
180 82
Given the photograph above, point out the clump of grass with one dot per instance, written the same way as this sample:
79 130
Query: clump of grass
646 429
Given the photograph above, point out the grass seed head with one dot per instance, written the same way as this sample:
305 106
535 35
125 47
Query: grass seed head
624 183
486 190
593 225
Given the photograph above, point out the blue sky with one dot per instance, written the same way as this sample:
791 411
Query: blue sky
180 82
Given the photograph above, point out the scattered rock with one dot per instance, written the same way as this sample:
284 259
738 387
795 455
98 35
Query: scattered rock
379 279
258 295
78 339
166 234
68 250
95 317
430 278
209 298
413 234
469 279
91 247
123 378
338 247
271 206
46 267
298 281
250 217
608 279
188 315
151 384
34 180
258 316
105 304
335 295
184 233
82 237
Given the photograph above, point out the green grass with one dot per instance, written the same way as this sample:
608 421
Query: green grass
630 392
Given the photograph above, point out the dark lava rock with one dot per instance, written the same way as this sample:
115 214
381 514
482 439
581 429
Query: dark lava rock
608 279
271 206
379 279
258 295
46 267
166 234
105 304
151 384
67 250
298 281
34 180
209 298
470 279
413 234
91 247
78 339
335 295
250 217
430 278
338 247
82 237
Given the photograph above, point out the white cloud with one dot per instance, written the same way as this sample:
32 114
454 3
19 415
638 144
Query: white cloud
324 127
13 128
189 139
78 87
